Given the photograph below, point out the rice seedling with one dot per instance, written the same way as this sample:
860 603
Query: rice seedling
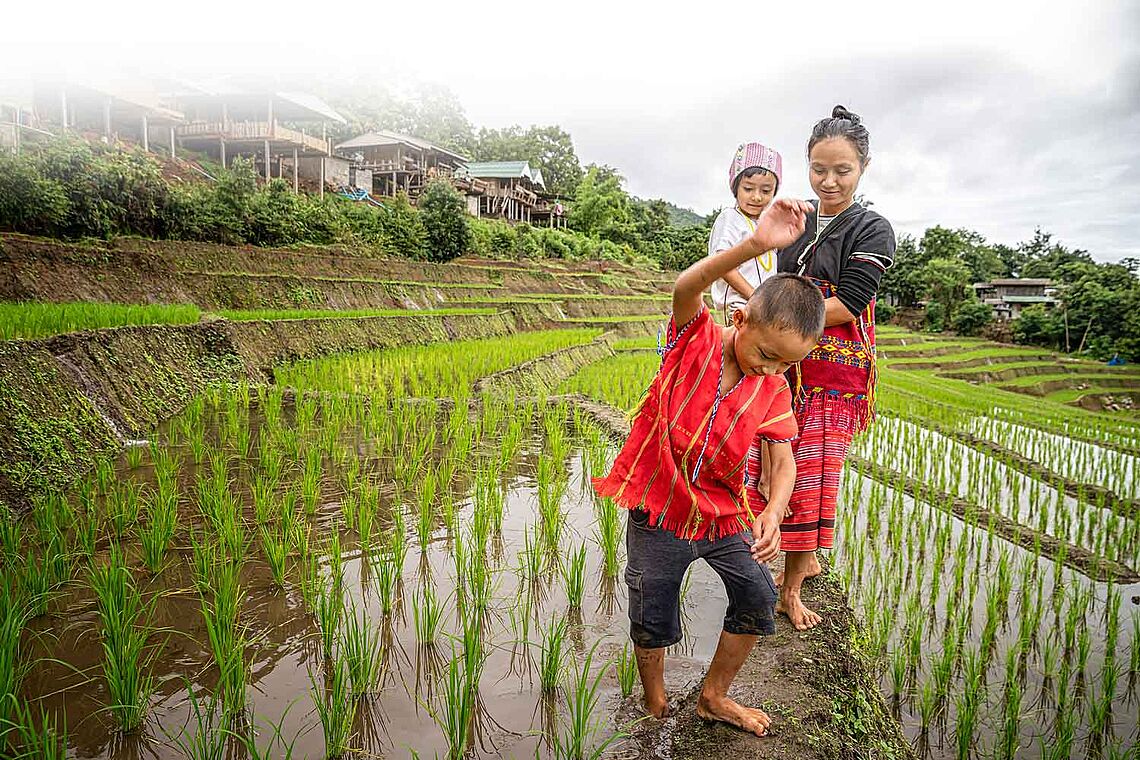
123 506
457 714
336 709
361 651
275 547
626 669
427 611
574 577
204 737
329 612
15 612
29 738
532 561
125 627
608 533
553 653
583 723
221 606
157 532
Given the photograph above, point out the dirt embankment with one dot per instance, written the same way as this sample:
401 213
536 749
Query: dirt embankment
132 270
817 685
68 400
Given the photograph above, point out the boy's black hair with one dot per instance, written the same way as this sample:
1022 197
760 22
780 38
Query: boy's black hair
788 301
752 171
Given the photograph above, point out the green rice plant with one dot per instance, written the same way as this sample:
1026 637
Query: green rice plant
336 708
928 705
361 651
553 654
608 533
123 506
207 739
125 627
44 571
15 612
158 531
478 576
626 669
427 611
311 481
387 583
29 738
457 714
221 607
329 612
335 557
1009 732
21 319
425 502
574 577
583 722
898 671
275 547
398 547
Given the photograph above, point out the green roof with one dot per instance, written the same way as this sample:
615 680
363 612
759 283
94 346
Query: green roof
1029 299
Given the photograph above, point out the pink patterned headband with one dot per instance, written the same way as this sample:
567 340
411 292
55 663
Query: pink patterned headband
753 154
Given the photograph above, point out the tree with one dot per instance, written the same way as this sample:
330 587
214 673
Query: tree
902 279
444 215
431 112
601 206
1046 259
1038 327
946 281
548 148
965 246
971 317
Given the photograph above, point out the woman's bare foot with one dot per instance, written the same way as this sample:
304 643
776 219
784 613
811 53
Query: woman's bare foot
658 710
813 569
800 616
729 711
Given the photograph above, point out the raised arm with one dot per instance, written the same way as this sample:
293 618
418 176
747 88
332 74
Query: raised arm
779 226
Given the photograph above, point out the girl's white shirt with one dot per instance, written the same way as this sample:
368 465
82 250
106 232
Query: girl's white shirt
731 227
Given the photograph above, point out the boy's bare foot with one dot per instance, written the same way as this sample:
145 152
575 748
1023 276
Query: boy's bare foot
729 711
657 710
800 616
813 569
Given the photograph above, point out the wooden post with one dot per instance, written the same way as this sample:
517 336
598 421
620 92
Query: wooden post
296 166
268 170
222 142
225 117
322 176
146 136
107 121
63 107
19 118
269 116
172 142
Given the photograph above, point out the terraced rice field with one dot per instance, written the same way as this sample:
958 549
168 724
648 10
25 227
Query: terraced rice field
990 541
369 557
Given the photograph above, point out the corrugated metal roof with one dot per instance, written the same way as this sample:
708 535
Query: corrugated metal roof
312 103
506 170
383 137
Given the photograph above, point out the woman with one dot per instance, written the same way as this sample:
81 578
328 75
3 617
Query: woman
845 249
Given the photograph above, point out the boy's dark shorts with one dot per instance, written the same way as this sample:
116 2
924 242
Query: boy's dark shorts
655 569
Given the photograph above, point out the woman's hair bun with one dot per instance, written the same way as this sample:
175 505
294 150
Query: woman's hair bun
841 112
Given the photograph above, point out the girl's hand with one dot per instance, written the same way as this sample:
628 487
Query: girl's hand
781 224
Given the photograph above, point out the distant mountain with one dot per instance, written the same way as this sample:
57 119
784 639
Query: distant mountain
678 217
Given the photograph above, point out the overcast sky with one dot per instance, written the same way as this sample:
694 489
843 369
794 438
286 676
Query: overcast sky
997 116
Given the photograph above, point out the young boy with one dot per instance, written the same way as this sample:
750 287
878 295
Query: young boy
682 470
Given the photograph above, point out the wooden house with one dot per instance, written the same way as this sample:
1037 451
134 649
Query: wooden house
113 111
403 164
513 189
283 132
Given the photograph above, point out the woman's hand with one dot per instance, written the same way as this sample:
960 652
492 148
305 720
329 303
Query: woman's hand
766 535
781 224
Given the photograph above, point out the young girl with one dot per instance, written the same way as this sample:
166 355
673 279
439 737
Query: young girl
754 178
682 469
844 250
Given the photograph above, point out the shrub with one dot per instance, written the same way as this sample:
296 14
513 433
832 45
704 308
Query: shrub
444 215
29 202
401 228
884 312
971 317
935 317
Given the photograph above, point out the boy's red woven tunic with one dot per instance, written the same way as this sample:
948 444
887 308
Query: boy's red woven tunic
685 460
